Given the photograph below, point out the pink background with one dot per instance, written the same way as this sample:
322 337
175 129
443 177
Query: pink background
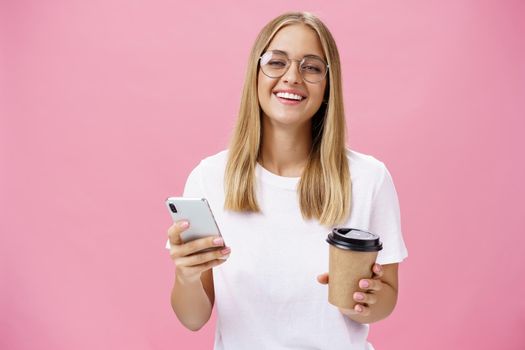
106 105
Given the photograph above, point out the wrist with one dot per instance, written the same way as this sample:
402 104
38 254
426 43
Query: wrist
187 281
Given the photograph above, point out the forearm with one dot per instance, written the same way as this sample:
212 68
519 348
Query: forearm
386 302
191 304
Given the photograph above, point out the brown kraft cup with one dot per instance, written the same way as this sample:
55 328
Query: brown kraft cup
352 254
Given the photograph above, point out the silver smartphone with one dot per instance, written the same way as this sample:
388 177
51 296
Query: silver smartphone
198 212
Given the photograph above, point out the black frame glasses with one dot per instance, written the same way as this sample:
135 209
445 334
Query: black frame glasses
313 69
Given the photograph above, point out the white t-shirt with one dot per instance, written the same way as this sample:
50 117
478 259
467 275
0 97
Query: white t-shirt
266 294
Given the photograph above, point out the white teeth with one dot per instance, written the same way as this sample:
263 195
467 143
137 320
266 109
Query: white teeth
289 96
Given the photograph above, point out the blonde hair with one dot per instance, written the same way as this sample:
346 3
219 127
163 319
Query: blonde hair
325 186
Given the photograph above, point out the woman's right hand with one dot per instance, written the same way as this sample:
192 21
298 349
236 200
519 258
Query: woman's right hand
188 268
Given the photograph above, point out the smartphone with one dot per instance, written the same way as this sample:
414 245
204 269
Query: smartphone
198 212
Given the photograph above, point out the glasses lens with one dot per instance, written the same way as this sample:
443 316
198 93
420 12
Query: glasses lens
274 64
313 69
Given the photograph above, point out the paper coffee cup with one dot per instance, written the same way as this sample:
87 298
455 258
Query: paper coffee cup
352 254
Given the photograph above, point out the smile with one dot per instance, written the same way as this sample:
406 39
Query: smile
289 96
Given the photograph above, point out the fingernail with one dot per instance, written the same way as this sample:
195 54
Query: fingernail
359 296
225 251
358 308
363 284
378 268
218 241
184 224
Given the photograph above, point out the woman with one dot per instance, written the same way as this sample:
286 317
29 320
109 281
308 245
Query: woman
285 181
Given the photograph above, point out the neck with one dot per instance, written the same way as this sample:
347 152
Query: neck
285 149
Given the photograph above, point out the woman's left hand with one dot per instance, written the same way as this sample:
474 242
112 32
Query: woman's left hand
367 293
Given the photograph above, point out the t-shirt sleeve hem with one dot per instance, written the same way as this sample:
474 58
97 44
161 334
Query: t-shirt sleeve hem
392 259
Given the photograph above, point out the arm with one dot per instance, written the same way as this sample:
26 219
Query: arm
381 296
193 294
192 301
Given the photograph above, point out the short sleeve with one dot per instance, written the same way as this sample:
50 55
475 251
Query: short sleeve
385 221
193 188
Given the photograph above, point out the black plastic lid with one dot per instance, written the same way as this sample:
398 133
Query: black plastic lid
354 239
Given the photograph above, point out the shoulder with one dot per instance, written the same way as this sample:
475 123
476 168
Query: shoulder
207 177
365 166
215 160
212 165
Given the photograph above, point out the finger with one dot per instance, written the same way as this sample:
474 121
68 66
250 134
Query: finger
202 258
347 312
193 273
200 244
198 269
362 309
378 271
323 278
370 285
365 298
175 231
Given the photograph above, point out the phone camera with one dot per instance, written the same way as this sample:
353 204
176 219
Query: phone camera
173 208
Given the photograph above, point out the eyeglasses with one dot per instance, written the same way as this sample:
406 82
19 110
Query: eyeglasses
274 64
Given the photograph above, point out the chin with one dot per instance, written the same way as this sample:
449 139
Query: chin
288 120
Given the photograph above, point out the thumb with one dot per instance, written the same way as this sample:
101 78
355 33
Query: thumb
323 278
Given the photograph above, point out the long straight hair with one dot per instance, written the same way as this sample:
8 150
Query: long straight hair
325 186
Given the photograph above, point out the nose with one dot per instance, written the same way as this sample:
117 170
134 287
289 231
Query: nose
293 75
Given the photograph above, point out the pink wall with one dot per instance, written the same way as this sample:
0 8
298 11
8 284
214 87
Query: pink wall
108 104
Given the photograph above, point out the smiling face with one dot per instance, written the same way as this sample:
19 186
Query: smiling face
278 107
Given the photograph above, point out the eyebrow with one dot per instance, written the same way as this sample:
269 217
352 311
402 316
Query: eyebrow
307 55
